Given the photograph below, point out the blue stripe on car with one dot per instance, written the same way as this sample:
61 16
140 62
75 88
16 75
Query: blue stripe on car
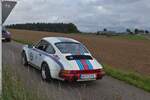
58 62
89 64
79 64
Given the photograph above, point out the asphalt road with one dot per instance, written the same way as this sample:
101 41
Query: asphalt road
105 89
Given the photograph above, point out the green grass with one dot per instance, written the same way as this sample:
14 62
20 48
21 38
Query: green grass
132 78
130 37
13 88
22 41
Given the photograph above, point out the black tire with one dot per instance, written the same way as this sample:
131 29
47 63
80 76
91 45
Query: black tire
24 59
8 40
45 70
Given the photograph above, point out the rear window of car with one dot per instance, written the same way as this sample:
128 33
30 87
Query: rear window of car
71 47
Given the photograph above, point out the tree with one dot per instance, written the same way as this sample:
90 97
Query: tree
136 31
128 30
146 31
50 27
98 33
105 30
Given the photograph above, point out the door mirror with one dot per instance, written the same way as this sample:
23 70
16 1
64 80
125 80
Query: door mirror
30 46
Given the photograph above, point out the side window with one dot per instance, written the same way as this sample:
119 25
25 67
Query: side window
42 45
37 44
50 49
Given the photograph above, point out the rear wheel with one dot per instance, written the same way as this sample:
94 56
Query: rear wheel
24 59
45 72
8 39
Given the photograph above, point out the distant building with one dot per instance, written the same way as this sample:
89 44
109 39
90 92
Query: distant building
107 33
143 32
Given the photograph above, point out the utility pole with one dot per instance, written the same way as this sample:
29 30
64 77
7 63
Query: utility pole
0 48
6 7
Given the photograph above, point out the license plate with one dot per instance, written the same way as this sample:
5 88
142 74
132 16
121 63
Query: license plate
88 76
3 38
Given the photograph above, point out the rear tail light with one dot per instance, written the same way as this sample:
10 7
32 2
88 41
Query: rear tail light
68 72
82 71
65 72
75 74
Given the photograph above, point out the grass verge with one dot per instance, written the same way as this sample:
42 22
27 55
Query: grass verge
13 88
131 37
132 78
23 42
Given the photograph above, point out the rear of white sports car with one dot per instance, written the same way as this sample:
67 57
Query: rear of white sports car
81 68
78 63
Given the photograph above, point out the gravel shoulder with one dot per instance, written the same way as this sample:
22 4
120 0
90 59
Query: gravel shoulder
105 89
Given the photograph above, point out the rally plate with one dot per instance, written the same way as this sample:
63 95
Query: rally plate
88 76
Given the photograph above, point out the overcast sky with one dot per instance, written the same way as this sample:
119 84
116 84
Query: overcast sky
88 15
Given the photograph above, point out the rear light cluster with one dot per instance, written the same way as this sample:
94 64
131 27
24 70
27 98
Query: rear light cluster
81 71
72 75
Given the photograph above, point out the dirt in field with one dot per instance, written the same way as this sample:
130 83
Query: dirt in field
130 55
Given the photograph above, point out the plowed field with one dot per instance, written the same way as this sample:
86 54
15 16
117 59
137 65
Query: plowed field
129 55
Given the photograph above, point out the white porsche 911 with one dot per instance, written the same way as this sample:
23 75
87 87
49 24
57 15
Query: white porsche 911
62 58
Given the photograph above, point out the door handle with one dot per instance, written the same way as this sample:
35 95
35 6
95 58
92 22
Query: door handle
40 54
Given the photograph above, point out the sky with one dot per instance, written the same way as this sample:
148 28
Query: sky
87 15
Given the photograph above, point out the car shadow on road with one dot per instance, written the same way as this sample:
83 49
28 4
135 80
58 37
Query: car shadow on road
56 82
4 41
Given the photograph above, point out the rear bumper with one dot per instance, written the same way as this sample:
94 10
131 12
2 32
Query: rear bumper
6 36
6 39
76 75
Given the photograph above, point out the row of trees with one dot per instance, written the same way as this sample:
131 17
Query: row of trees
50 27
129 31
137 31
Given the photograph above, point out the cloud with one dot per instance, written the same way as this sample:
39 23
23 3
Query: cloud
88 15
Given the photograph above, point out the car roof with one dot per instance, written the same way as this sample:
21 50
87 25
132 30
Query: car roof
59 39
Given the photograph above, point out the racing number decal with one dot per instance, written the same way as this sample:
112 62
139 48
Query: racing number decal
31 56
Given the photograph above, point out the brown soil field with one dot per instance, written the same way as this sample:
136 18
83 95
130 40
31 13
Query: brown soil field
128 55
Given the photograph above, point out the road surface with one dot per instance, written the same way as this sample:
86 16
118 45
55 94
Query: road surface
105 89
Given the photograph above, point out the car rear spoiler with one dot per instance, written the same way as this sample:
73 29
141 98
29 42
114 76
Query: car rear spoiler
79 57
